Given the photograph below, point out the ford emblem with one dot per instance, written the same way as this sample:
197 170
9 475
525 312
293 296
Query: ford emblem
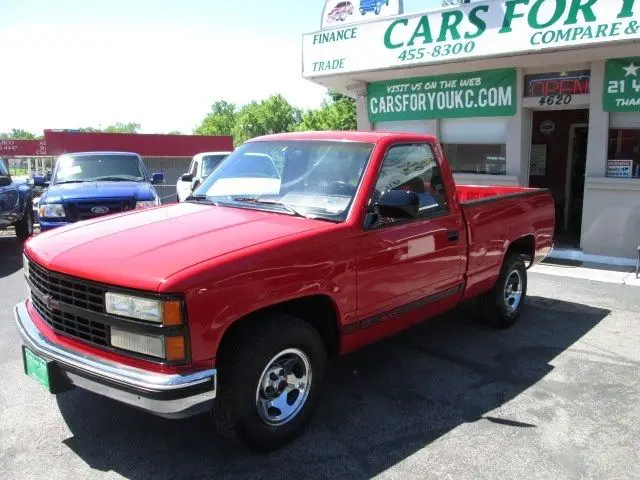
99 210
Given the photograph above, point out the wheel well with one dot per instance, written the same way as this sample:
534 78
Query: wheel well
317 310
525 246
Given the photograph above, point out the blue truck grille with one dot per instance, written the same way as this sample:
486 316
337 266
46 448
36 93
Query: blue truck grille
87 209
64 291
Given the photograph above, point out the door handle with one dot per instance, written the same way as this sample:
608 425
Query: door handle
453 235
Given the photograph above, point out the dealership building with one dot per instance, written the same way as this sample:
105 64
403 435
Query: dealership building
540 93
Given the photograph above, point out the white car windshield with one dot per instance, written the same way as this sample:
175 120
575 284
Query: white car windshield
308 178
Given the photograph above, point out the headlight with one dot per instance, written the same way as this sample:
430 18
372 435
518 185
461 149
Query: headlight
51 210
165 312
148 203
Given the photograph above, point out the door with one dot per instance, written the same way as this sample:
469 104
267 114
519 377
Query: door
403 263
183 188
576 168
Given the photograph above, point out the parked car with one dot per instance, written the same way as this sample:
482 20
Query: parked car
374 6
233 300
15 204
340 12
92 184
200 168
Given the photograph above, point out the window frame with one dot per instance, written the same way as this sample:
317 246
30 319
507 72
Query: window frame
446 211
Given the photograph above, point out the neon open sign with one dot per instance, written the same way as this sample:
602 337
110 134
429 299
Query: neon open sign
557 83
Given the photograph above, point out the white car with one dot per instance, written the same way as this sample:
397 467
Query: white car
201 167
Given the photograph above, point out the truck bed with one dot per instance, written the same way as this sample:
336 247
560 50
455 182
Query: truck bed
496 214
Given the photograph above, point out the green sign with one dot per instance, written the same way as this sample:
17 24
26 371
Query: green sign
489 93
622 85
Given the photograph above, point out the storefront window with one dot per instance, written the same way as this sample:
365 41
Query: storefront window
477 158
475 145
623 159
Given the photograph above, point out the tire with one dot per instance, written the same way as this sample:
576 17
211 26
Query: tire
24 228
244 366
503 304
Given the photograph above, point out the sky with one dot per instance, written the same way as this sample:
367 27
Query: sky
160 63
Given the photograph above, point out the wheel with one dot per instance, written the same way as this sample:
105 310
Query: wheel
503 304
24 228
270 379
377 9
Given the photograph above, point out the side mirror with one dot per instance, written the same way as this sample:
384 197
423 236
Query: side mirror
187 177
157 178
398 204
39 180
5 181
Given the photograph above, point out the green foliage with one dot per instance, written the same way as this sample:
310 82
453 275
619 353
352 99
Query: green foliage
220 121
337 113
18 134
277 115
118 127
273 115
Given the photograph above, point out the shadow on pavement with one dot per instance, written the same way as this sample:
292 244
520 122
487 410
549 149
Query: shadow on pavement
381 404
10 254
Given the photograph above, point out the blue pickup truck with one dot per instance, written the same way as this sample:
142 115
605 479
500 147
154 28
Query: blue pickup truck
15 204
92 184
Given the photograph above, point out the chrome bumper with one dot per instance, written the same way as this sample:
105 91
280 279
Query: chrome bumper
166 395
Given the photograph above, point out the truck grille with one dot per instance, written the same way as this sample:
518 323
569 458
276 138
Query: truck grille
87 209
60 291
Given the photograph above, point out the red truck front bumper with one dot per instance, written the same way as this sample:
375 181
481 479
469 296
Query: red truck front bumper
166 395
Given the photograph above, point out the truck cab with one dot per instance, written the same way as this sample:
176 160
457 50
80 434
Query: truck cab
15 204
200 168
87 185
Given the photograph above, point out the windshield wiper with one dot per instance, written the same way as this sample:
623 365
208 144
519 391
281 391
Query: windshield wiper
286 206
113 179
71 181
200 199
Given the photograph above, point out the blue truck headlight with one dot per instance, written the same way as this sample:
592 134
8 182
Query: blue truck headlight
148 204
51 210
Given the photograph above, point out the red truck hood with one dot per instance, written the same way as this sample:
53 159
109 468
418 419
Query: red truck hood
141 249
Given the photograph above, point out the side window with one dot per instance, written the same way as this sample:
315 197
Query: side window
413 167
3 169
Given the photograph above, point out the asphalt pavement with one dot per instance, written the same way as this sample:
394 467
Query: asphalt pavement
557 396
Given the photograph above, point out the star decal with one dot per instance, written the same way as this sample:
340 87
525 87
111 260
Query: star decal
631 70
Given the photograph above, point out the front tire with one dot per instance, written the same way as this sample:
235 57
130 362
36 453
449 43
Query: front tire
503 304
270 379
24 228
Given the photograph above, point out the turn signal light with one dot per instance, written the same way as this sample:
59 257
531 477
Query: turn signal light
172 313
174 348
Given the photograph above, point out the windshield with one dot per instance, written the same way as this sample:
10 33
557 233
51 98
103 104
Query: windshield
91 168
210 162
310 178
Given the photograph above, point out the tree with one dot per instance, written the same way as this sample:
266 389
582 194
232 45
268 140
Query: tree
18 134
120 127
336 113
220 121
273 115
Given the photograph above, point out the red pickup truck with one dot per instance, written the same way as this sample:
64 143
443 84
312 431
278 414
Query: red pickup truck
232 301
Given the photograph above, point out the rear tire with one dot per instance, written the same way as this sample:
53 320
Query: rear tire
24 228
503 304
270 378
